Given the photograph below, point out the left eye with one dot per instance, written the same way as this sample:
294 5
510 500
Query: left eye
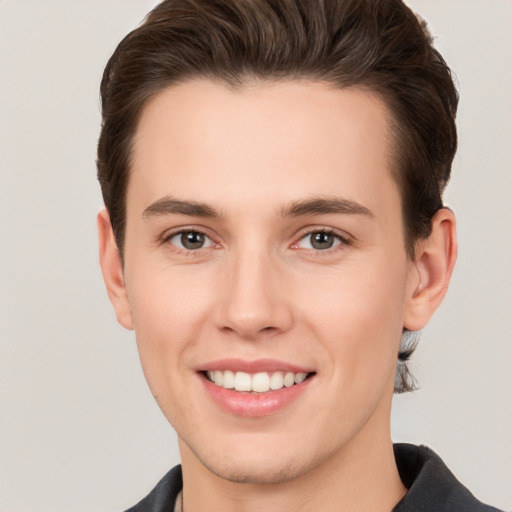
190 240
319 241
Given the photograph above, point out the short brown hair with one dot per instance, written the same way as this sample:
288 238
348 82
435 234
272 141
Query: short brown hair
379 45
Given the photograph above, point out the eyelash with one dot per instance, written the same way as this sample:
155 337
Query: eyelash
167 237
343 240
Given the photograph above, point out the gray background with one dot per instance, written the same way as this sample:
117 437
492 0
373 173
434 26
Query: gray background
79 430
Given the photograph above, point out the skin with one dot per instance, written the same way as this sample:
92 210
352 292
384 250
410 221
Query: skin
258 289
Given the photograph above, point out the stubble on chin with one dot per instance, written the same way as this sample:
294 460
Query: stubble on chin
252 472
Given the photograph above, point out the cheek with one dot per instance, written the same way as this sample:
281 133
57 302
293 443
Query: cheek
358 316
166 301
167 309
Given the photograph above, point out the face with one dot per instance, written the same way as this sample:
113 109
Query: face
265 250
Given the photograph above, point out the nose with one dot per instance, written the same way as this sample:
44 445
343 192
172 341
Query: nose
254 299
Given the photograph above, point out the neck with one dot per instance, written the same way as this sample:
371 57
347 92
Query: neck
360 477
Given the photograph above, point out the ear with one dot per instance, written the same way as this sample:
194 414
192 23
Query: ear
112 270
431 271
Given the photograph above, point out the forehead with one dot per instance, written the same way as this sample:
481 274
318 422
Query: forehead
267 142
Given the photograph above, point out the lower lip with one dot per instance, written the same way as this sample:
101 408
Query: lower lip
254 404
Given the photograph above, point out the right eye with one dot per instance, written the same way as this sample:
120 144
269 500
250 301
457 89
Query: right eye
190 240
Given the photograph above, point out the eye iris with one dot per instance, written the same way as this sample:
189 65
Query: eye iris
322 240
192 240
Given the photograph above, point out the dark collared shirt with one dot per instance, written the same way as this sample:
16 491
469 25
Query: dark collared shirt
432 486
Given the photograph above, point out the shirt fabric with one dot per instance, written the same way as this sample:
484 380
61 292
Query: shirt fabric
431 486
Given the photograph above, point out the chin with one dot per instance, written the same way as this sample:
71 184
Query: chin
255 472
250 461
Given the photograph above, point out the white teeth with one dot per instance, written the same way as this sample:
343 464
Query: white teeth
276 380
289 379
243 381
300 377
260 382
228 381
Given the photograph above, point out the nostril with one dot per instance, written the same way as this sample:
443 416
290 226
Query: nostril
245 331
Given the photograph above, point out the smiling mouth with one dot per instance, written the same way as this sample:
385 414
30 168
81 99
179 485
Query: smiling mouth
260 382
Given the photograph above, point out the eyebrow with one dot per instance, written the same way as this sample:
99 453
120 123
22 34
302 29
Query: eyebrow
168 205
326 206
314 206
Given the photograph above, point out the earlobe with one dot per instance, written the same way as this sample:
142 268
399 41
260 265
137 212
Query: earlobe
112 270
431 271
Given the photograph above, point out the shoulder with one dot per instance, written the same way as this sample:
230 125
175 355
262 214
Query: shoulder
163 496
432 486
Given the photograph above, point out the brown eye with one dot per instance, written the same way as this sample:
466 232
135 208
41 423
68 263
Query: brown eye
190 240
320 241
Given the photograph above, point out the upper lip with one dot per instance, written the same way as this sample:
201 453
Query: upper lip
255 366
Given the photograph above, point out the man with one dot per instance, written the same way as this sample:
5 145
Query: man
274 233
